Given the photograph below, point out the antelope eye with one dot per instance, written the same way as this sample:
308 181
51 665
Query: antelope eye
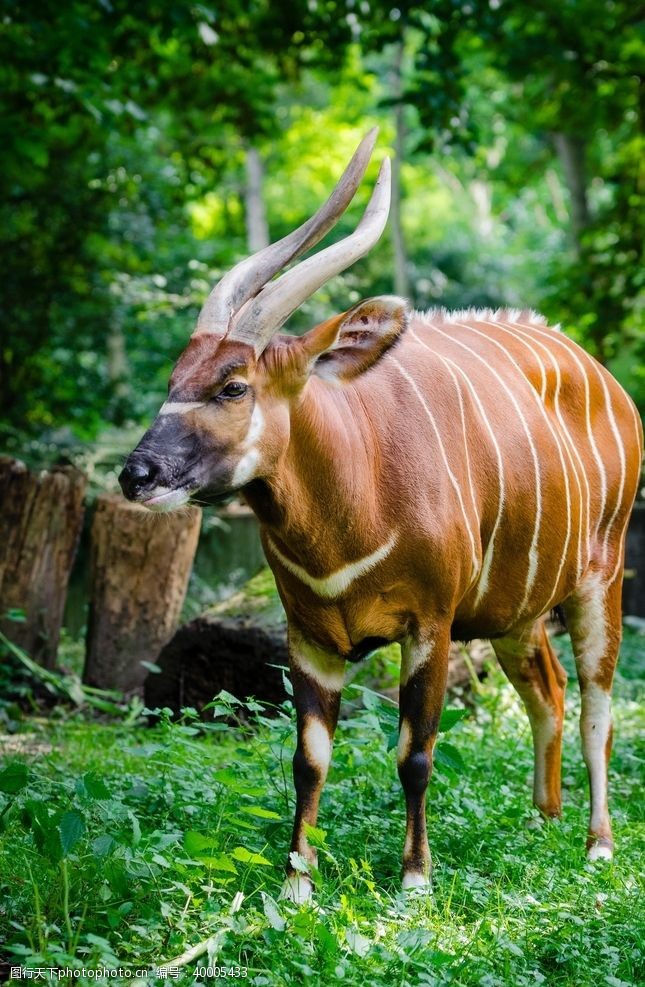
234 389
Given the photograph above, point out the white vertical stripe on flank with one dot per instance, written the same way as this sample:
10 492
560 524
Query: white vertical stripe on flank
471 486
484 575
533 555
563 440
519 330
544 413
621 456
404 373
568 346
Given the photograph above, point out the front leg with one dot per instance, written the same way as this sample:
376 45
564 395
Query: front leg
317 677
424 673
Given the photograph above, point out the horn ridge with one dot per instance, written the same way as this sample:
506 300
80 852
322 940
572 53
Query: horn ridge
272 306
250 275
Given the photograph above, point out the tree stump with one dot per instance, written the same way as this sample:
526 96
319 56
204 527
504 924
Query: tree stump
41 516
140 564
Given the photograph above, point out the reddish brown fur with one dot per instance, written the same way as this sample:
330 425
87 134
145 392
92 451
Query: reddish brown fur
349 458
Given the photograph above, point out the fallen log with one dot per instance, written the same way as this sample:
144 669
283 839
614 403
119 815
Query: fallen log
41 515
140 564
235 646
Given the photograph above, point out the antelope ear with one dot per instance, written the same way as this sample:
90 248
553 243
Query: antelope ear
348 345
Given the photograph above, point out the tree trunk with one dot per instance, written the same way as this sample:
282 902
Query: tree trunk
139 569
571 151
401 279
41 515
257 228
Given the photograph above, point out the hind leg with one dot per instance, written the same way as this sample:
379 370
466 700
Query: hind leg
532 667
593 615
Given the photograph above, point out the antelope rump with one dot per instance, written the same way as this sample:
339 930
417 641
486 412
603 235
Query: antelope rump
418 477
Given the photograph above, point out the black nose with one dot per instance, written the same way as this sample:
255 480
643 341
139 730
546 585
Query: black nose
135 475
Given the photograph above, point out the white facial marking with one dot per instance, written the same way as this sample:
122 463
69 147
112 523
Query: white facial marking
326 668
246 468
413 879
600 852
340 581
179 407
317 743
297 888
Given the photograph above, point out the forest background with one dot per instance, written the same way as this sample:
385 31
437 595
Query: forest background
146 148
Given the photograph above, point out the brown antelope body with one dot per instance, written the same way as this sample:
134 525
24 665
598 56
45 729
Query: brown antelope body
417 478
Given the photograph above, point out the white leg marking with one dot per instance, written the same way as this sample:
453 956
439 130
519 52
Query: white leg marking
405 739
474 543
599 851
590 621
338 582
543 728
595 726
413 879
326 668
297 888
317 744
413 656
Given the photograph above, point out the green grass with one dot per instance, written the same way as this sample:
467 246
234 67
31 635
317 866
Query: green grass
125 846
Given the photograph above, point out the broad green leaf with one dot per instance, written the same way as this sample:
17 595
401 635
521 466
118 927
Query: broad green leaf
70 829
196 843
218 861
272 912
102 845
451 716
14 778
95 786
314 835
247 857
257 810
449 757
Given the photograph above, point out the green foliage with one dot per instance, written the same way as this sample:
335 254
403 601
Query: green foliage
127 847
123 139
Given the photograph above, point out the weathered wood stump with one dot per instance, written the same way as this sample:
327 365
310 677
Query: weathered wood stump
41 515
140 564
234 645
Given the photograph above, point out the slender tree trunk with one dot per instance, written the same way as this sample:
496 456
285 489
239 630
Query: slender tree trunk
139 569
41 515
572 154
401 279
257 228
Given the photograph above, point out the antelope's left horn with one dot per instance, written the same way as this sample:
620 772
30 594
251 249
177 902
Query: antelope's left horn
246 279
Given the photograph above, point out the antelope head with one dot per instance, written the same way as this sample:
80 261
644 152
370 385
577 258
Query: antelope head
227 415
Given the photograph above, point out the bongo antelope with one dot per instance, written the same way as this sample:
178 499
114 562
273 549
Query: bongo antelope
418 477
